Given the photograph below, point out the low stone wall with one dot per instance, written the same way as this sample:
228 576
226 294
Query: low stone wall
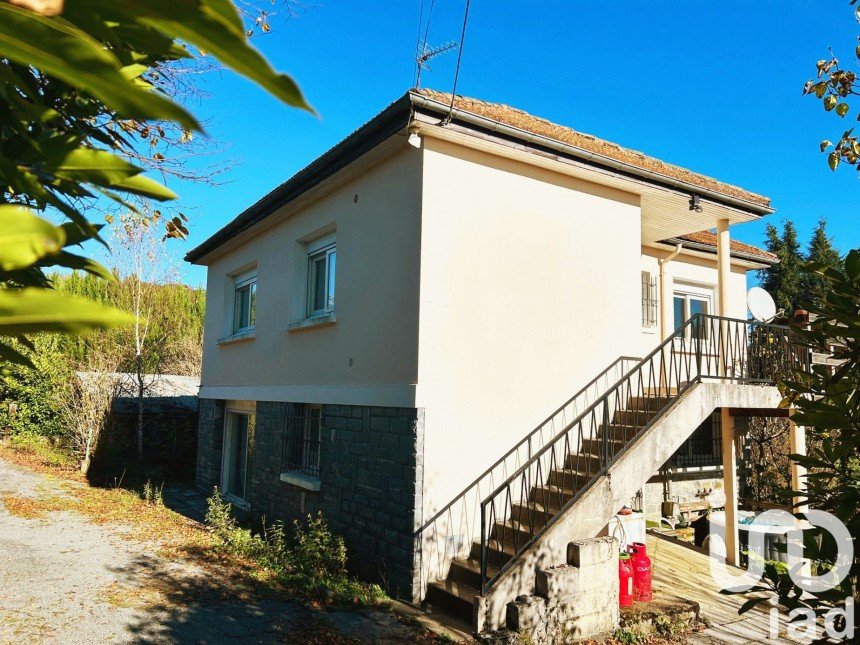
572 602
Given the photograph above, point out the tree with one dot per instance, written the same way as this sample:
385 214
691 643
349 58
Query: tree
827 404
78 80
783 280
141 262
821 252
835 86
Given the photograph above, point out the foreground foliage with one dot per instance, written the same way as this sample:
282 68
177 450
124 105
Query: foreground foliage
311 562
827 403
80 83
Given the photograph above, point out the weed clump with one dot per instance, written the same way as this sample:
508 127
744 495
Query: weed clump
310 561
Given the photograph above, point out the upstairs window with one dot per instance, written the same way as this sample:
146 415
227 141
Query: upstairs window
322 261
649 300
245 303
686 303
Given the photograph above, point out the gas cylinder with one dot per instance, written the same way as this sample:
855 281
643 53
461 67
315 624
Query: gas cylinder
625 580
641 565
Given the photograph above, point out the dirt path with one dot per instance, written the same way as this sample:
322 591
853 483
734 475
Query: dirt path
64 578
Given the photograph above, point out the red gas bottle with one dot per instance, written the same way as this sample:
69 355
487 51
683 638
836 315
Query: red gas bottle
641 572
625 580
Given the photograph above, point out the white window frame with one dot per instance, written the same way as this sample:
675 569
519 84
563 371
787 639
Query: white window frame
324 247
692 292
227 457
246 281
650 301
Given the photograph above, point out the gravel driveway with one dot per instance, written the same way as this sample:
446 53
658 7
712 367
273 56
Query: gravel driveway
64 579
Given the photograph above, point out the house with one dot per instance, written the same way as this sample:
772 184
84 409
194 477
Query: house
386 329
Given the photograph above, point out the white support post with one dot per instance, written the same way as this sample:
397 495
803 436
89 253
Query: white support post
730 486
724 268
797 442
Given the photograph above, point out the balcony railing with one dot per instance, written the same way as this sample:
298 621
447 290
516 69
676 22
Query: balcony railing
522 507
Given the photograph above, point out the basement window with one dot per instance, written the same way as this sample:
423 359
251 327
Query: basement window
302 446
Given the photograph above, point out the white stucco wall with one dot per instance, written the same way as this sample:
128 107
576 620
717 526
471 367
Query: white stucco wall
369 356
530 284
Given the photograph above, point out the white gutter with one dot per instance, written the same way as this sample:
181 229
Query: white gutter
664 298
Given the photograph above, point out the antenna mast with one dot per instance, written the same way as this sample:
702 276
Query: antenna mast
426 53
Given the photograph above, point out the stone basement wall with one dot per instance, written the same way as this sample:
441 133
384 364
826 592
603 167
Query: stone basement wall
571 603
210 440
371 484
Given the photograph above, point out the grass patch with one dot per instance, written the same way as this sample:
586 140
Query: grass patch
32 508
39 453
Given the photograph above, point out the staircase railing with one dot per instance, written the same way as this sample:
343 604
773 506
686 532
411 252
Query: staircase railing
449 533
531 499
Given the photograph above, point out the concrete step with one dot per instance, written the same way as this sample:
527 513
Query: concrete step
454 597
497 553
468 572
617 439
514 533
584 461
570 478
533 513
550 496
633 418
654 402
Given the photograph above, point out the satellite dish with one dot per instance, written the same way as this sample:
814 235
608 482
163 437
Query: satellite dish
761 305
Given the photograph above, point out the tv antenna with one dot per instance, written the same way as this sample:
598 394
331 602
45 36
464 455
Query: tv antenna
426 53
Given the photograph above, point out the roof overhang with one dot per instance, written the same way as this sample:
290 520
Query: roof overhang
664 199
748 260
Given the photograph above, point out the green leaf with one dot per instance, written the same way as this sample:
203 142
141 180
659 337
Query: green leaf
842 109
215 27
60 49
25 311
833 160
26 238
72 261
11 355
830 102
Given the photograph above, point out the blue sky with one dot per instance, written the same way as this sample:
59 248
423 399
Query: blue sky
715 87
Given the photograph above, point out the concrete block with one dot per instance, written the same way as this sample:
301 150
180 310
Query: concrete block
592 552
573 582
526 613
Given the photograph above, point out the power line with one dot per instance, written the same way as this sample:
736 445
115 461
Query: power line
459 58
421 45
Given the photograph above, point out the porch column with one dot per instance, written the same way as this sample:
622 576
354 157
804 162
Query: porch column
723 276
797 443
730 486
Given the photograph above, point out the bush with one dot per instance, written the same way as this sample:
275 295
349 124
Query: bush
311 562
32 400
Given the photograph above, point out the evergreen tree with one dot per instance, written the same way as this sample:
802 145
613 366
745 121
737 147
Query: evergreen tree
783 280
821 251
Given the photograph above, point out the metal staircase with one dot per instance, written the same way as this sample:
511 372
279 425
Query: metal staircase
517 513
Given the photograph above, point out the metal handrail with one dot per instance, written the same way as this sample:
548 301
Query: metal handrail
737 350
526 439
458 520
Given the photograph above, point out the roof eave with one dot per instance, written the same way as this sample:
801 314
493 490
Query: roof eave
379 128
581 154
712 250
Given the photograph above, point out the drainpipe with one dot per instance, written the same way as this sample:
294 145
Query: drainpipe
664 298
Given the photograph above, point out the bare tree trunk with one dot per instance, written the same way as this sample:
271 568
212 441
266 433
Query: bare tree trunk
139 365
